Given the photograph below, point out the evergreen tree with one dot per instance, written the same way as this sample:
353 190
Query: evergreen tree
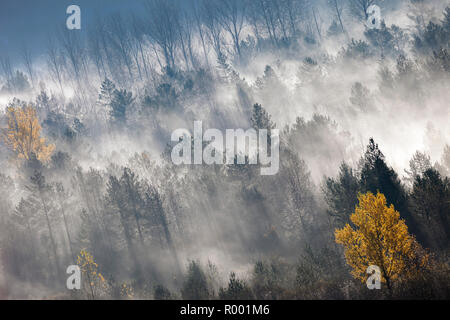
341 194
133 201
261 119
376 176
41 193
430 205
120 104
116 199
195 286
237 290
360 97
106 95
446 21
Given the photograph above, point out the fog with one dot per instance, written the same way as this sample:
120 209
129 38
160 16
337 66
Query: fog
110 186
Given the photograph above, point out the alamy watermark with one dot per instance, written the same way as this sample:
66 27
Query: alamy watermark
73 22
373 17
74 280
239 147
374 280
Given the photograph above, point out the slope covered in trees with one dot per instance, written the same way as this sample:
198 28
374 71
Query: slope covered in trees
86 175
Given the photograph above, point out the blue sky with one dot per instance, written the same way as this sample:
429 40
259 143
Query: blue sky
28 23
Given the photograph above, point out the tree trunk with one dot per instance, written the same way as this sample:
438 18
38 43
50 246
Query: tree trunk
52 239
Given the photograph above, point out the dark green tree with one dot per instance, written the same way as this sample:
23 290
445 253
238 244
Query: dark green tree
116 199
195 287
261 119
377 176
237 290
106 95
42 194
341 194
121 102
430 205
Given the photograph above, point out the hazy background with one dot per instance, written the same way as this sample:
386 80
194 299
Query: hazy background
328 94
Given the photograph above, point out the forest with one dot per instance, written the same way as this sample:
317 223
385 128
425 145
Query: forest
86 176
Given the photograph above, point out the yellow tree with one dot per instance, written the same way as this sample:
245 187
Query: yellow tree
23 134
380 238
94 280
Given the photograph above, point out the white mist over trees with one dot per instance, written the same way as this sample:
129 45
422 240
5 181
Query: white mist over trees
359 110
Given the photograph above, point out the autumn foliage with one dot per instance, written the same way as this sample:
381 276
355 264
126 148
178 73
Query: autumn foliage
94 282
380 238
23 134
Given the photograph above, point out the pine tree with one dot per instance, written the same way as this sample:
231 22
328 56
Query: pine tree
237 290
116 199
106 95
341 194
120 104
376 176
62 196
154 203
360 97
42 193
195 286
133 202
446 21
430 205
261 119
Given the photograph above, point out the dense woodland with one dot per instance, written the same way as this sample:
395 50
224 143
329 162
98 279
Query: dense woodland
86 176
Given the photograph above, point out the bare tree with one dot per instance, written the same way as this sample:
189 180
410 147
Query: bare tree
263 8
73 49
138 40
359 7
162 27
293 8
95 49
107 53
313 9
28 63
338 8
185 27
211 22
119 40
183 37
232 17
5 64
280 16
197 17
253 18
54 62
